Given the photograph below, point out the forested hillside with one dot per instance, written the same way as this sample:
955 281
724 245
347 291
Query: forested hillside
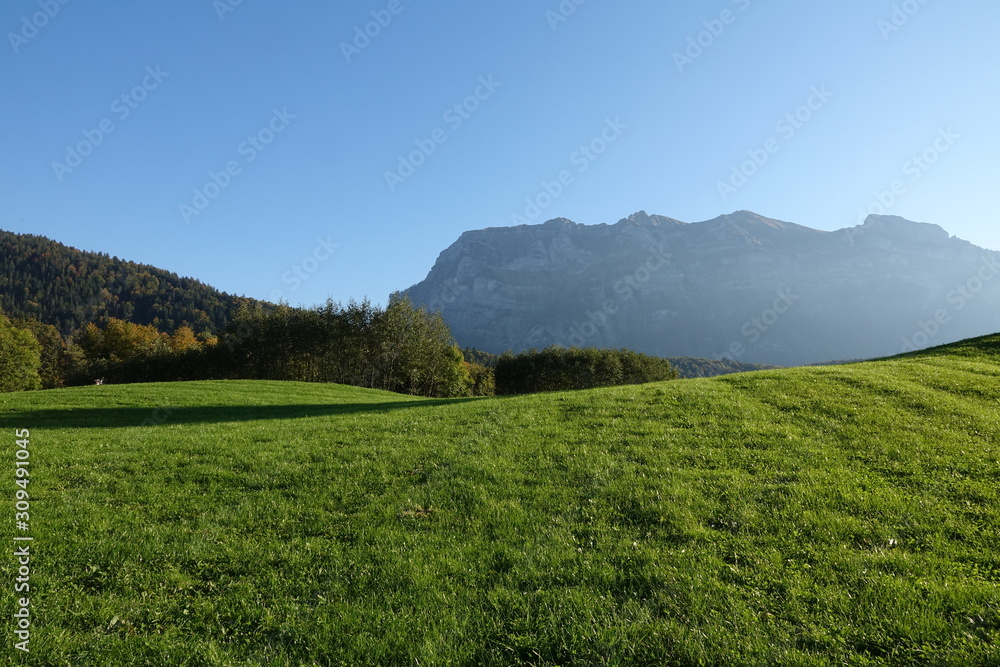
47 281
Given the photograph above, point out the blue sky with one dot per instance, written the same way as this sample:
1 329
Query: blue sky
248 144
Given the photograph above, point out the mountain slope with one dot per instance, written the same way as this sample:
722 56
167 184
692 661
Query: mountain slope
740 286
66 287
818 516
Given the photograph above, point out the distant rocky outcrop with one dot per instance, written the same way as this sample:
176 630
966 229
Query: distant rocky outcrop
741 286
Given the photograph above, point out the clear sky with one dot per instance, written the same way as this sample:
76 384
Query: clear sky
286 119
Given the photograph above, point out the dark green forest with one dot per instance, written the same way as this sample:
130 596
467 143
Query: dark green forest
55 284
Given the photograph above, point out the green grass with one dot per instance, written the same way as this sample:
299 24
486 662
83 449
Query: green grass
824 516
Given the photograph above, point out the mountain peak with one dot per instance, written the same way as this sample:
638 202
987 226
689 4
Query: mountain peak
559 222
750 221
897 227
643 219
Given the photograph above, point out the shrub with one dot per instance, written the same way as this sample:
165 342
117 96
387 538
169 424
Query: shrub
560 369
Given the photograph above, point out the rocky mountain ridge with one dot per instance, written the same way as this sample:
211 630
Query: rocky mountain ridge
739 286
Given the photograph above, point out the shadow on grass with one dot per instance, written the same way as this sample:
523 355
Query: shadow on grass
155 416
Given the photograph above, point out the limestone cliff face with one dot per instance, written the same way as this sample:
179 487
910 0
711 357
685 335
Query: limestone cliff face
740 286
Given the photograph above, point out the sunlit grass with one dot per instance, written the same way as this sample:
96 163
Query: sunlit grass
821 516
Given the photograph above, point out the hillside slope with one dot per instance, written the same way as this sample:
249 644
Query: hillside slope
65 287
812 516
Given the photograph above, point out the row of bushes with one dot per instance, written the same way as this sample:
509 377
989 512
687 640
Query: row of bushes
560 369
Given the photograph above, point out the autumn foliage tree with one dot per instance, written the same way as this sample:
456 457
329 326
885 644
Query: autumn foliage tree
127 352
121 340
183 340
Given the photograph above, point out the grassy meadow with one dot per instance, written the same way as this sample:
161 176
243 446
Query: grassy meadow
843 515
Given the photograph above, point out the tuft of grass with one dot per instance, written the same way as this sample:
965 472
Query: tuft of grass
821 516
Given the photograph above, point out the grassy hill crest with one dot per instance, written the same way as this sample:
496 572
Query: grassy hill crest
811 516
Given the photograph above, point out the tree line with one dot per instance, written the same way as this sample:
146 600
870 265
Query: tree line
399 348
